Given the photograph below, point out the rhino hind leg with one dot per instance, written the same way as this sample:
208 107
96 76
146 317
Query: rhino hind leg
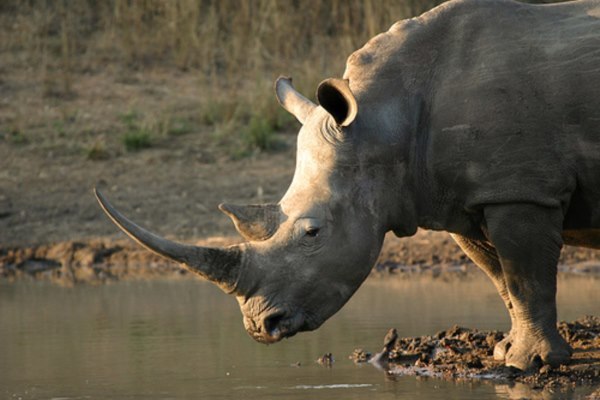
528 240
484 255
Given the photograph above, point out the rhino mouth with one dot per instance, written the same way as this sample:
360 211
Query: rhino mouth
276 326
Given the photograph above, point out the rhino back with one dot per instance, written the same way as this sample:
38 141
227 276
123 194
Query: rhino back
507 98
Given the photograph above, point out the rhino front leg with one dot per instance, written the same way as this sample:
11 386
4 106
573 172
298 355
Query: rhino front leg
528 241
485 256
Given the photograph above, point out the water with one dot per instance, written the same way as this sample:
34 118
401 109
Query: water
185 340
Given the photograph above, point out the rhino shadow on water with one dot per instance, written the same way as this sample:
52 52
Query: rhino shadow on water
480 118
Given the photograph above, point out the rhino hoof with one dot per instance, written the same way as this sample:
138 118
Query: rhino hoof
532 356
502 348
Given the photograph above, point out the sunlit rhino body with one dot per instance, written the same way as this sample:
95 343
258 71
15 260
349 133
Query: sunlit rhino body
480 118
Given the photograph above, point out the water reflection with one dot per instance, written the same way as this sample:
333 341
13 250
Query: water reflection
184 339
518 391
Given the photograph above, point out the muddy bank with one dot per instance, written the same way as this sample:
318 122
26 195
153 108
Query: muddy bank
95 261
100 261
461 353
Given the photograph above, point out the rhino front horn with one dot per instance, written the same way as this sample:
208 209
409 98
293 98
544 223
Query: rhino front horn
220 266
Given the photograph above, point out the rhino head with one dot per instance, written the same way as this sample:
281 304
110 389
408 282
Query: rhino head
305 256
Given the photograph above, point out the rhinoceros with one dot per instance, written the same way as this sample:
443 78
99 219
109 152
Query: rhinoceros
479 118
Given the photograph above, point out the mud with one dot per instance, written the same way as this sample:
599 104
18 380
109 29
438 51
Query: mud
95 261
461 353
98 261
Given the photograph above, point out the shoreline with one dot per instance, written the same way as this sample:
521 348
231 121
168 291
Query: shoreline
105 260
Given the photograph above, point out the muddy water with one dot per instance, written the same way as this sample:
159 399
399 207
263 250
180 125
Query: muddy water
184 340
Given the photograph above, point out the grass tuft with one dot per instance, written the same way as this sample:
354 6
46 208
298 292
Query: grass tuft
137 140
259 133
97 152
136 136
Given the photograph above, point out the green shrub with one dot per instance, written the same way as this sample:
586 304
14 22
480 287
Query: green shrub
137 140
259 133
136 137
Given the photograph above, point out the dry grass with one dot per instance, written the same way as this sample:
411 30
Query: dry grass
234 49
229 42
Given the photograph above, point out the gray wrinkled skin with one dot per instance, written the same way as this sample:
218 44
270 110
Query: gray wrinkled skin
329 236
480 118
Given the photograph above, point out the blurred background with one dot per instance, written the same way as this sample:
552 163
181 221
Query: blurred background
234 50
170 103
229 51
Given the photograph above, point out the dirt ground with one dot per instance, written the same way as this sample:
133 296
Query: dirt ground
174 187
51 227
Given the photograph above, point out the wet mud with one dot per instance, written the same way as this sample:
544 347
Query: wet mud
461 353
98 261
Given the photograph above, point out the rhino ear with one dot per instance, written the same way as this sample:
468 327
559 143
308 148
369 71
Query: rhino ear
290 99
336 98
253 222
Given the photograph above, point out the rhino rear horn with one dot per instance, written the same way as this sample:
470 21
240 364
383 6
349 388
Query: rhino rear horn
220 266
254 222
336 98
290 99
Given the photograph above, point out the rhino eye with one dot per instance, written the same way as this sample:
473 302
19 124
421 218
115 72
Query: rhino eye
312 232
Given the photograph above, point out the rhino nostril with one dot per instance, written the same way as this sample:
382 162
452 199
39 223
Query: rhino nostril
271 324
